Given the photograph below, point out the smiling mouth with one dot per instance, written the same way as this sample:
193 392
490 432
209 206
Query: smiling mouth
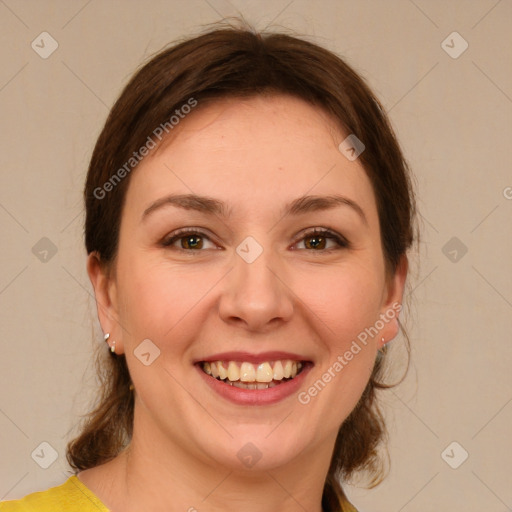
246 375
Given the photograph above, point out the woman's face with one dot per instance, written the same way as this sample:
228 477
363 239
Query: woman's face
250 287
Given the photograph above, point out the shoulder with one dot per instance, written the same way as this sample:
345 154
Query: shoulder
71 496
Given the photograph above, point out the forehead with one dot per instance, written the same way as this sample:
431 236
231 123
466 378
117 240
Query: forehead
253 154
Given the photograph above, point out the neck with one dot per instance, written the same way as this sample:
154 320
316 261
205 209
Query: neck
157 476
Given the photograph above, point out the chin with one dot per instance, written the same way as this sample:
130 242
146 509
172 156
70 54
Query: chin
257 450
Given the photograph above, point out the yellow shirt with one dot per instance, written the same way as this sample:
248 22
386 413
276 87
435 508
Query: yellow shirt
71 496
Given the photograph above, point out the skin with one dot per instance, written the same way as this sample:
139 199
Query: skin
255 155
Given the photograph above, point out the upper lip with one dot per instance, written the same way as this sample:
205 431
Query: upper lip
247 357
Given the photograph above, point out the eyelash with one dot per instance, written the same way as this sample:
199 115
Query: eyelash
342 242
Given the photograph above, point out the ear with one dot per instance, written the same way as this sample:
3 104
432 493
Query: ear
392 302
105 292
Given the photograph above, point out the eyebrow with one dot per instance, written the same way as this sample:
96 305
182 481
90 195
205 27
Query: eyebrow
211 206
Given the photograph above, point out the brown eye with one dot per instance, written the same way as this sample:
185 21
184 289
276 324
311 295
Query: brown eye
318 239
191 242
315 242
188 240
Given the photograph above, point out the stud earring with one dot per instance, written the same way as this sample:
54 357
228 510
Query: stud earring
113 346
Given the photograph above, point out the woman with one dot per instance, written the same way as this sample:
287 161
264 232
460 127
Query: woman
248 215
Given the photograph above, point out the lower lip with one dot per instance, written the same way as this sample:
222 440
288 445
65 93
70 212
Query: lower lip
266 396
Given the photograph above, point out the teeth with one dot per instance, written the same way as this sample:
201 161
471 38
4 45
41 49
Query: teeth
264 373
223 373
278 370
233 371
287 369
247 373
249 376
252 385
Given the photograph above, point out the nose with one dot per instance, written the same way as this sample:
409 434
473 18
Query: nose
256 296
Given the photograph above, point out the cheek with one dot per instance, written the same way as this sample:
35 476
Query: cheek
163 305
158 299
345 307
344 301
346 304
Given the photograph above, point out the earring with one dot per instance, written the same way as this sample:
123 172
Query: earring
113 346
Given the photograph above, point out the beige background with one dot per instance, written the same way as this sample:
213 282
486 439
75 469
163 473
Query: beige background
453 117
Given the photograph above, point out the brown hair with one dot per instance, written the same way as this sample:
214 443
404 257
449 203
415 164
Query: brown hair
238 62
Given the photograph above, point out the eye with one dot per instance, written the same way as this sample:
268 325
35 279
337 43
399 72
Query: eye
317 240
191 239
